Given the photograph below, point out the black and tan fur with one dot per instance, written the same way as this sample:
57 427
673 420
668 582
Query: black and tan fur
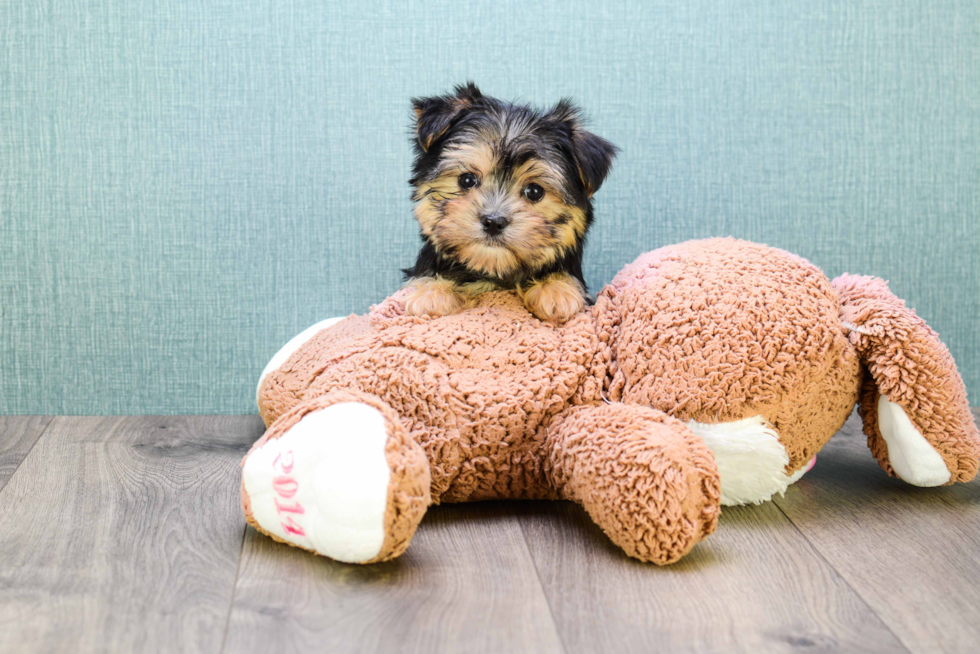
501 232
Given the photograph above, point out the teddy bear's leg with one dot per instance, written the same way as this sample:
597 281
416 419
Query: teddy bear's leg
644 477
291 346
338 475
913 401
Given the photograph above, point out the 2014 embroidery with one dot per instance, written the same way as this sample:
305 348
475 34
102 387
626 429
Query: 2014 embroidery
286 488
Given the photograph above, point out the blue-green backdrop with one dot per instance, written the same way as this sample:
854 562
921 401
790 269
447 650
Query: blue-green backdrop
185 185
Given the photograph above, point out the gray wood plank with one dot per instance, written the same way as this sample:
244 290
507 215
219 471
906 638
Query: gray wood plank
913 554
17 436
123 534
755 585
466 584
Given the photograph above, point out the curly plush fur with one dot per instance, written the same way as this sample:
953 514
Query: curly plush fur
748 345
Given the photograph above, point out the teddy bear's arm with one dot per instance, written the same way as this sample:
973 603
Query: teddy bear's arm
644 477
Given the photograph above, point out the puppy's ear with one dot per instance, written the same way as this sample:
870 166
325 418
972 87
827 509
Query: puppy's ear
434 115
593 154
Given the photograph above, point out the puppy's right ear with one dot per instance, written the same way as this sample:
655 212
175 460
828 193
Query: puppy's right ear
593 154
434 115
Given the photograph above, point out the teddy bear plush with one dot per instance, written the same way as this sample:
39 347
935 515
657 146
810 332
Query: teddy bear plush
706 373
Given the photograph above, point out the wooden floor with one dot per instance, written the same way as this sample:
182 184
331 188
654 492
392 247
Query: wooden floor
125 535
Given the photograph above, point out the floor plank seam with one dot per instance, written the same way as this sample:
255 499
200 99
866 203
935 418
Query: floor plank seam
37 440
844 579
234 589
544 592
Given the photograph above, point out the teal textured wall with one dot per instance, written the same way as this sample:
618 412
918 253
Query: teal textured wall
186 185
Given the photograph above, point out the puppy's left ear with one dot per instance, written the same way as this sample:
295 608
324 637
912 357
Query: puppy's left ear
434 115
593 154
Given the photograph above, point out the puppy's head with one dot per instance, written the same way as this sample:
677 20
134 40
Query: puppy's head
504 189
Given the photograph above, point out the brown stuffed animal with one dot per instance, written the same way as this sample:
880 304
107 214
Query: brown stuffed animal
706 373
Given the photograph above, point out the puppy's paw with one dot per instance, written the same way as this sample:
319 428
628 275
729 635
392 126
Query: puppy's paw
432 296
554 299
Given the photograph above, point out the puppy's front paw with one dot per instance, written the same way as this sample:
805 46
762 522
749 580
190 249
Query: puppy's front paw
432 296
554 299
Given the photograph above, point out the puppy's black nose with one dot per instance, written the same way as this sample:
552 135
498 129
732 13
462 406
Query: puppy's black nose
494 223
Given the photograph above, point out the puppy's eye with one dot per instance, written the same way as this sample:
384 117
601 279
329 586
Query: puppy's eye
533 192
468 181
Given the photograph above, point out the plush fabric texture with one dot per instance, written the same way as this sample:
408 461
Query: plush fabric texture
908 364
644 477
505 406
408 487
476 389
720 330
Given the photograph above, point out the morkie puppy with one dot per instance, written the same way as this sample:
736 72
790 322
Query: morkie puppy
503 196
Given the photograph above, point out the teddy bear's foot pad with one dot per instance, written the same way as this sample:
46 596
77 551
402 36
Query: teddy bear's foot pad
323 484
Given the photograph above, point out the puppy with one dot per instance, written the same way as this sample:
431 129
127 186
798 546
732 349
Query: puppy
503 197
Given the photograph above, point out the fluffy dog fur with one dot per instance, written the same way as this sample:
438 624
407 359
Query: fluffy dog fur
503 197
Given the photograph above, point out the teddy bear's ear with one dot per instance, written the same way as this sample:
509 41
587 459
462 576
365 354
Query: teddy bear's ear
593 154
433 116
913 401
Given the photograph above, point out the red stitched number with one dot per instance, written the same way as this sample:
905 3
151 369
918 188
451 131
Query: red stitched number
288 508
286 487
290 525
285 463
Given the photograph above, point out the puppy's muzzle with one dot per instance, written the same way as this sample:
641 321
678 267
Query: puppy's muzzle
494 224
